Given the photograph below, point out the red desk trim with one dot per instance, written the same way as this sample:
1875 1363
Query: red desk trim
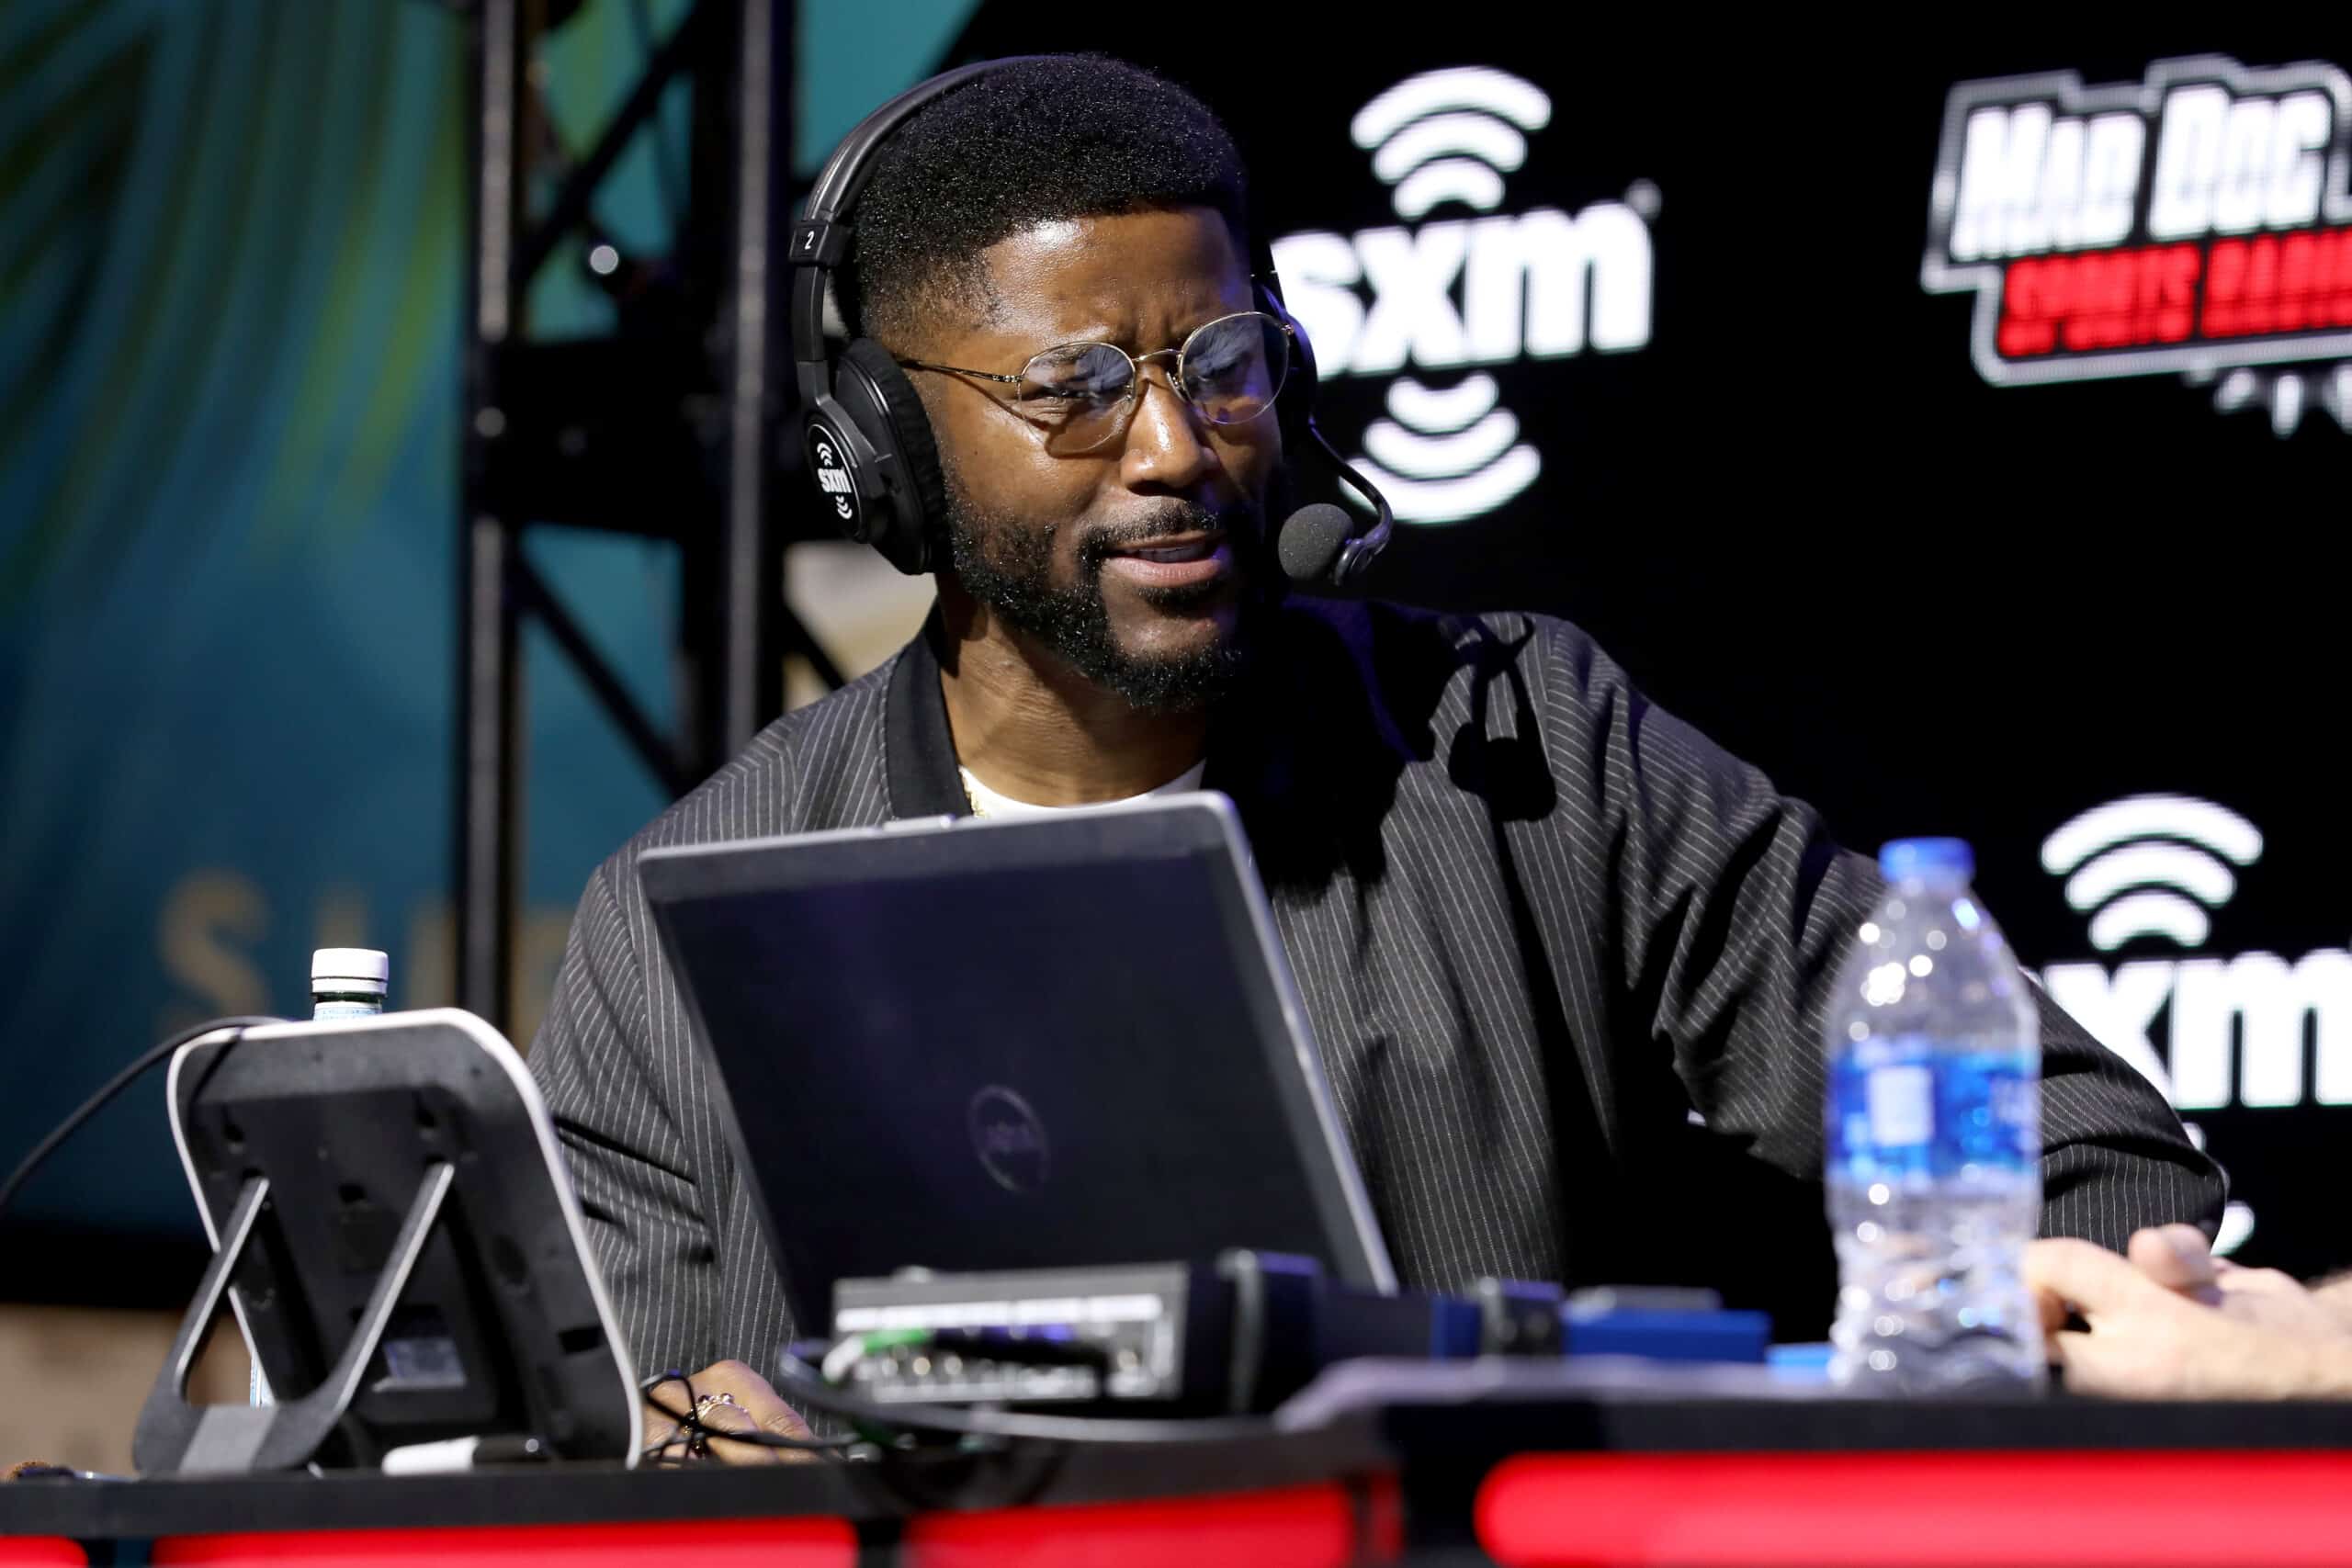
2149 1509
41 1551
770 1543
1296 1526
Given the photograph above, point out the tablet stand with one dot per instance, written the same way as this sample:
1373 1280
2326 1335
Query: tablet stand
174 1435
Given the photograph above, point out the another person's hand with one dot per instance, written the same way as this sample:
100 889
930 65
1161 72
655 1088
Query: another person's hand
2177 1258
2149 1339
733 1398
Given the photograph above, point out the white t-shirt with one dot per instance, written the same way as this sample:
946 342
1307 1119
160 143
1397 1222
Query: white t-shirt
988 802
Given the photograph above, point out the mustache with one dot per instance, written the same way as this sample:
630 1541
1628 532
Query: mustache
1173 519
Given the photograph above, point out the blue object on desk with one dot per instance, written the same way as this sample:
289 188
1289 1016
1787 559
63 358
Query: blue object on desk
1667 1336
1454 1328
1800 1363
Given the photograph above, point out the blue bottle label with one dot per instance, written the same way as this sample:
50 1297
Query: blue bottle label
1902 1108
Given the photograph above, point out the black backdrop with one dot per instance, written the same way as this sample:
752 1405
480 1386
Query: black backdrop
1801 517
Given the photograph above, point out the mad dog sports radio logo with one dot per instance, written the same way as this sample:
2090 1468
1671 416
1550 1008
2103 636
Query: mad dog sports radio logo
2197 222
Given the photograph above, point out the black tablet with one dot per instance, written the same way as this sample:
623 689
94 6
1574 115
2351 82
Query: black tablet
397 1231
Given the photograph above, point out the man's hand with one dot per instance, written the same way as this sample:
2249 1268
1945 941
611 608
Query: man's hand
2335 1293
755 1408
2166 1326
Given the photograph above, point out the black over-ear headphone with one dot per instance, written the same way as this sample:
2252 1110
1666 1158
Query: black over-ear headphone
869 443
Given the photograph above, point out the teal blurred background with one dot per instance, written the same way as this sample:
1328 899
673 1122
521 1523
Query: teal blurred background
230 243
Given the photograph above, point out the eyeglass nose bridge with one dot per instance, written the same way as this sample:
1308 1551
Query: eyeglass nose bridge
1136 363
1175 377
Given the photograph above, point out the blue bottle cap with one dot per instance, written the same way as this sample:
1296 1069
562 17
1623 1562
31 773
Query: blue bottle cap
1913 860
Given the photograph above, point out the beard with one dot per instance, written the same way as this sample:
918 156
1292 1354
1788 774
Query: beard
1007 565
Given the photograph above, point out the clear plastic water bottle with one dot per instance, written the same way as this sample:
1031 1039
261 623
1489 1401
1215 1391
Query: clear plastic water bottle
1933 1158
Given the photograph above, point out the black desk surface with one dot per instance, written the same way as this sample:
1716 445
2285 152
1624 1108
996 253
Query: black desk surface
1437 1449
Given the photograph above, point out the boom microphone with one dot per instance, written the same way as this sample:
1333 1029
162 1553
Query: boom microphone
1314 541
1310 540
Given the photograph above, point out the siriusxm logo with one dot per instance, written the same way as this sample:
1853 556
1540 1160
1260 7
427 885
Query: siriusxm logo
2235 1028
825 461
1455 293
2151 866
2253 1031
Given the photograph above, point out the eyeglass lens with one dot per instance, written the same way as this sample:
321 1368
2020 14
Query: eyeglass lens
1232 369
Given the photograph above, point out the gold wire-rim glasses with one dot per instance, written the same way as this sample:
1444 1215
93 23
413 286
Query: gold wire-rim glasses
1280 331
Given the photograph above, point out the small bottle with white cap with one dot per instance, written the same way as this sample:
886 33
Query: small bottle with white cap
345 982
348 982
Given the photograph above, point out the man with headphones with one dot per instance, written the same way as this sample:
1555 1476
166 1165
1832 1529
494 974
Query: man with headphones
1566 959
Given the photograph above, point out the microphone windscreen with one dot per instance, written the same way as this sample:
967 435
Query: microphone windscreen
1310 541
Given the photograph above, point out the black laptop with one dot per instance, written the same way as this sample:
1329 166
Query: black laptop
1027 1043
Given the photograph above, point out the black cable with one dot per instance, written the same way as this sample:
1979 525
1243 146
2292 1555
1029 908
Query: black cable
114 1086
682 1427
802 1385
688 1424
806 1389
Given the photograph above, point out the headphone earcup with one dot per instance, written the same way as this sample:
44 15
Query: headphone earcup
1296 401
873 390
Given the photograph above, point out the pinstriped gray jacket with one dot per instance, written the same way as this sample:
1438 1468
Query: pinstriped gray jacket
1536 922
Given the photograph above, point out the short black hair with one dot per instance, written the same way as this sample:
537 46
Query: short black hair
1054 137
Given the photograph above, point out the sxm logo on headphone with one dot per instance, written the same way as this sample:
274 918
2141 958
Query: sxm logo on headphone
1542 284
832 472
